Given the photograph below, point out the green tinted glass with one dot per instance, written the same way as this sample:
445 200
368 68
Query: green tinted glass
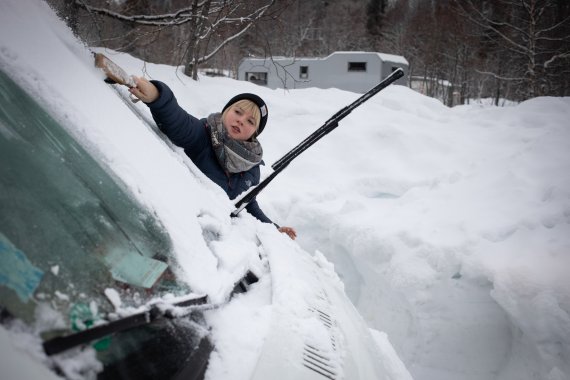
68 230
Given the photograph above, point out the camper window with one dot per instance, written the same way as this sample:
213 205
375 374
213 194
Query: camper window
303 72
257 78
356 66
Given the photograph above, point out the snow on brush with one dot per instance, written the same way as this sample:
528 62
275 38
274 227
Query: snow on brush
449 227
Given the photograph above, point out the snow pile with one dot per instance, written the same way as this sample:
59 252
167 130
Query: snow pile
450 228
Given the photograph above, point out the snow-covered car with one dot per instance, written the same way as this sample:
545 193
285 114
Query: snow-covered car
108 270
85 265
73 244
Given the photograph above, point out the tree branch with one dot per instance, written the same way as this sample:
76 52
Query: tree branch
180 17
496 76
260 12
556 57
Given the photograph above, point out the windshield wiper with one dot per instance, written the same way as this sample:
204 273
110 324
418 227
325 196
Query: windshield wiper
155 312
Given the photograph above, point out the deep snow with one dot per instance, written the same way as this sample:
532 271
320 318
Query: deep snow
449 227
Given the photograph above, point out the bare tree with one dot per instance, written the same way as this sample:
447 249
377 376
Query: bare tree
533 36
375 19
477 48
198 31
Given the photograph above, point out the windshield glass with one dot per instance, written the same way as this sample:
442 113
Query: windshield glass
68 230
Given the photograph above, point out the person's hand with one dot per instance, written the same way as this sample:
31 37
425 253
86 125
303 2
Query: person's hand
289 231
144 90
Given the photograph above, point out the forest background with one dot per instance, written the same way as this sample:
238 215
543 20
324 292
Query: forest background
500 49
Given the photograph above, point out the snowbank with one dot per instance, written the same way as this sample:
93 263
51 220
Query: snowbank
450 228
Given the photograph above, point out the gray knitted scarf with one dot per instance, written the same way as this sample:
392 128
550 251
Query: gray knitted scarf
234 156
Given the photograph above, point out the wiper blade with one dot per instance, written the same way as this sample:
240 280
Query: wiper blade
60 344
155 312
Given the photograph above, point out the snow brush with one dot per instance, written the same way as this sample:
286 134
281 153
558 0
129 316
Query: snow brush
114 73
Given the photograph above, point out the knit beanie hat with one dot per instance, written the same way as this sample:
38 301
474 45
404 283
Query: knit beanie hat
257 101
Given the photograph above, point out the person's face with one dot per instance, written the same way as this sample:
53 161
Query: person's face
239 123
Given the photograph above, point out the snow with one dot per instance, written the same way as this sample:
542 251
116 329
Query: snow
55 270
393 58
383 56
15 361
448 227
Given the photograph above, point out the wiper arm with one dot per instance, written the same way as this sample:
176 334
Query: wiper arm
155 312
62 343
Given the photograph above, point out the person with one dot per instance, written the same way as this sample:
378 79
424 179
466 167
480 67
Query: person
223 146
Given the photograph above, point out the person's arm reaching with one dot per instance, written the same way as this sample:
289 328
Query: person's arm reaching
178 125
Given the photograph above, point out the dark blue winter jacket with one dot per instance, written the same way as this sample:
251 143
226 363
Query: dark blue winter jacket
190 133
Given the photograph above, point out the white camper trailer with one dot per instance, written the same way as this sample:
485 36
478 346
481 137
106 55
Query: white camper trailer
351 71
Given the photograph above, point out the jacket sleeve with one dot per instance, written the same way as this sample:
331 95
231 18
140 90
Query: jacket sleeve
254 209
183 129
244 182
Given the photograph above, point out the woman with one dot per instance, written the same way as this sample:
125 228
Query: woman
223 146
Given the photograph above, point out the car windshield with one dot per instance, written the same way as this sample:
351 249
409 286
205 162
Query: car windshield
72 239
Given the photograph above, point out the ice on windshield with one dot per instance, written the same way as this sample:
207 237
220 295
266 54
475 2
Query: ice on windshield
61 209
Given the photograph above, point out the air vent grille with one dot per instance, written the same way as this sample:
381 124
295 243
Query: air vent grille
319 362
325 361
